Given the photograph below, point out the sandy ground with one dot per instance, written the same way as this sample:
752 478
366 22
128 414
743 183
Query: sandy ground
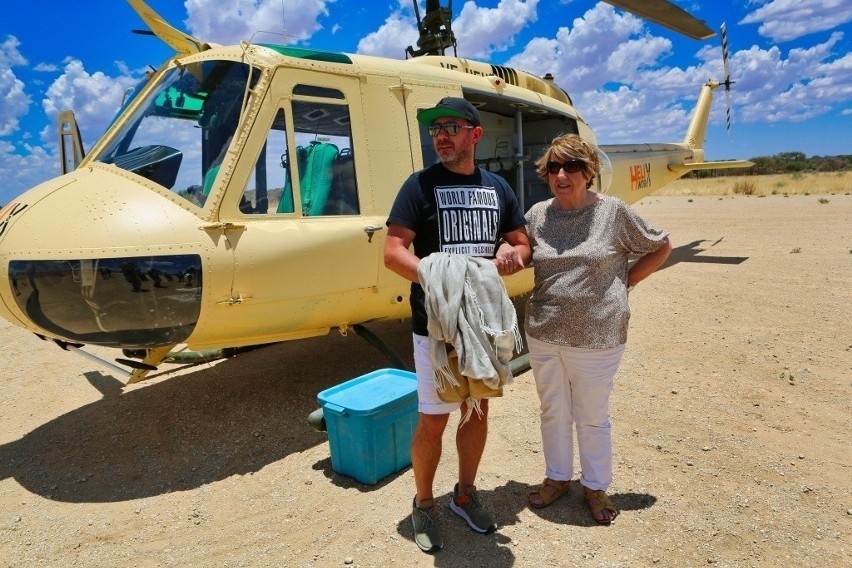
732 417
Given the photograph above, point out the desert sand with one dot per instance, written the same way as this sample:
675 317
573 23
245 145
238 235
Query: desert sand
731 419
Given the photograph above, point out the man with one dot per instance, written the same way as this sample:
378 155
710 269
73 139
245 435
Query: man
454 207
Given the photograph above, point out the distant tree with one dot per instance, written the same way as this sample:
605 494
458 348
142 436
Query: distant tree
783 163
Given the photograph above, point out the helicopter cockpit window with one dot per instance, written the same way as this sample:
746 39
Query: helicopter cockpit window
178 136
323 158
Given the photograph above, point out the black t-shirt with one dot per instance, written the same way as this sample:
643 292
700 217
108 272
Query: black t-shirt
454 213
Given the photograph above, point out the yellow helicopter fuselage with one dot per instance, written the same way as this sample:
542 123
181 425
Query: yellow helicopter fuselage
240 196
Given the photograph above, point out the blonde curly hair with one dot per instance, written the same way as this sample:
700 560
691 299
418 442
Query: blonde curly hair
570 147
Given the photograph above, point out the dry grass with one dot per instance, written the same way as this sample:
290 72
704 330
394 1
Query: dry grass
831 183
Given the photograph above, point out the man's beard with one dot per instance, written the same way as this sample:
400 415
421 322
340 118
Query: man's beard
458 157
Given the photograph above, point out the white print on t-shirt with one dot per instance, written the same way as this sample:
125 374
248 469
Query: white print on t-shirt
468 219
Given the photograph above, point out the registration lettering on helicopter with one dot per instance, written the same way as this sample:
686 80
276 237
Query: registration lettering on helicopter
6 214
640 176
468 70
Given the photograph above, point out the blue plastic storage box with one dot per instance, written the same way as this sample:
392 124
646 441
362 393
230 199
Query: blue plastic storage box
370 421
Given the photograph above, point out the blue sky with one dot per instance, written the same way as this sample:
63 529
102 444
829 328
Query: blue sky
633 81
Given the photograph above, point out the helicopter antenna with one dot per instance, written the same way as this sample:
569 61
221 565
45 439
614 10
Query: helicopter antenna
436 33
728 82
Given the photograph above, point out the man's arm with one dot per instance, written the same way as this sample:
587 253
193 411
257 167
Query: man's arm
398 257
515 253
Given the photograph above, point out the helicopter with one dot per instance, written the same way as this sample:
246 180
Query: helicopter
240 195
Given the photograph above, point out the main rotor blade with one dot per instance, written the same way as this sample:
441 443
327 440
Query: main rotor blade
179 41
666 14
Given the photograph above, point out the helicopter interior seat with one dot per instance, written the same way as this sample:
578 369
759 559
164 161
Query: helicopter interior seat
209 178
286 203
315 178
318 177
343 197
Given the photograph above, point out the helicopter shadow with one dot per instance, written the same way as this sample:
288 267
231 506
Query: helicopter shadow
187 431
693 252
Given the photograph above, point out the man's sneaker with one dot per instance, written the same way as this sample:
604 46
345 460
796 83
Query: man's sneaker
469 508
427 533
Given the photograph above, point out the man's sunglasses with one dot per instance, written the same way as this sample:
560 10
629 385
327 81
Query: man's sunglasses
451 128
570 167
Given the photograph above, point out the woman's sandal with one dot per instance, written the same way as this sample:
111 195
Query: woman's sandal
599 502
548 492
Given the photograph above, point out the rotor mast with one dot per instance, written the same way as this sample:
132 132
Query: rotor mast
436 33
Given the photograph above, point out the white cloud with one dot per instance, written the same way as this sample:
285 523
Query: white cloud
581 51
14 102
390 40
482 31
479 31
22 170
94 97
231 21
785 20
615 71
10 56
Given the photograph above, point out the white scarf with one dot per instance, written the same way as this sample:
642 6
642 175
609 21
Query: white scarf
467 307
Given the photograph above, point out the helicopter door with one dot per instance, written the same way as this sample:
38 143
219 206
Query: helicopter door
305 253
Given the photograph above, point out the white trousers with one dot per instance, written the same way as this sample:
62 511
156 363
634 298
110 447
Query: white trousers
574 386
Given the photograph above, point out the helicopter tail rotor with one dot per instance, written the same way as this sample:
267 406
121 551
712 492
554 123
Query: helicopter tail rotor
728 82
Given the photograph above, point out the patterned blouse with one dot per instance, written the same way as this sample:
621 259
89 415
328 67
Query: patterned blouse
580 258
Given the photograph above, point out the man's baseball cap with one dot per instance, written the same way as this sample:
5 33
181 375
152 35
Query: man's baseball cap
452 107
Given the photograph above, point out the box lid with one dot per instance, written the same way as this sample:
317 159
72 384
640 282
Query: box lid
370 392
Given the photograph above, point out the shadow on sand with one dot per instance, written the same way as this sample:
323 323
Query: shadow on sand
187 431
463 547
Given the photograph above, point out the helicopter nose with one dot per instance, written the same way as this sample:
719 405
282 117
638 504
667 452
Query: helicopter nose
71 278
114 302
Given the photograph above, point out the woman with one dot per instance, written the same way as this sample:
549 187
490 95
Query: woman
576 317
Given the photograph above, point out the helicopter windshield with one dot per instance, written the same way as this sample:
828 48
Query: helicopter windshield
179 133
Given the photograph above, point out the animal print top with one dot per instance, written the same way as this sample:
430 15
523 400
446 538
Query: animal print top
580 258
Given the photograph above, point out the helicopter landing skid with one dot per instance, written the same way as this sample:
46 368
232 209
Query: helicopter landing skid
374 340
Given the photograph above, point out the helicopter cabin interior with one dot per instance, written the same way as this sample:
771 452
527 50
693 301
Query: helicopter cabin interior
510 125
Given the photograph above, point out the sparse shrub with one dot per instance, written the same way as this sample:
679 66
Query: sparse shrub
796 250
744 187
823 200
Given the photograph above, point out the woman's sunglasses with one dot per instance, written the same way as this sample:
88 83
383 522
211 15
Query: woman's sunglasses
570 167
